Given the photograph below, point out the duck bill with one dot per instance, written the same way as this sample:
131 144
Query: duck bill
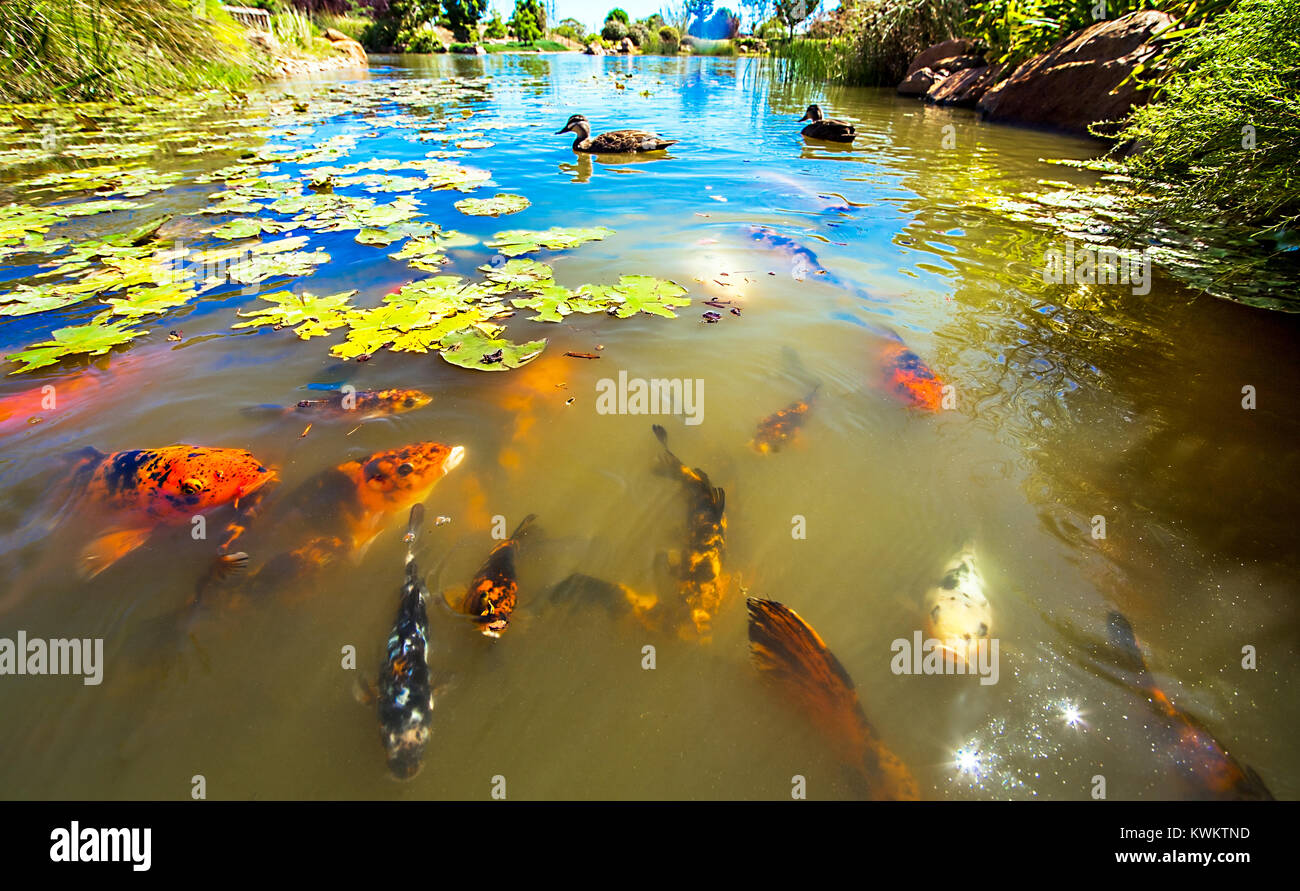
806 117
563 130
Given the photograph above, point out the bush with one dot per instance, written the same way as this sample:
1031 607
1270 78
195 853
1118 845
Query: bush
613 30
424 40
639 33
1225 131
772 29
496 29
669 34
617 15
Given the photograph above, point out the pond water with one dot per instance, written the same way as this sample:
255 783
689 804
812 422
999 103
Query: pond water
1068 402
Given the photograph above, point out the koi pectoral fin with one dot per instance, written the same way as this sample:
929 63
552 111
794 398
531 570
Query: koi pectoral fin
108 548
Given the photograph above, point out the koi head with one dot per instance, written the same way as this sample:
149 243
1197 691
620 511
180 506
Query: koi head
396 479
178 481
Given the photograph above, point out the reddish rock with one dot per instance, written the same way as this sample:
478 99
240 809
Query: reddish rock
965 88
333 35
1077 82
953 64
918 82
354 51
949 49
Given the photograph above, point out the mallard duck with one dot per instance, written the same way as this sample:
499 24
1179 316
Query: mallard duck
823 128
615 142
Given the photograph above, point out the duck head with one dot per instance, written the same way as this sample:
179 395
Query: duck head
577 124
814 113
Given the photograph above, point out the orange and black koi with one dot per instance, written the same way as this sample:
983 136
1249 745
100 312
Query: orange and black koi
793 659
405 689
494 592
142 489
906 377
345 508
1192 749
702 585
778 428
366 404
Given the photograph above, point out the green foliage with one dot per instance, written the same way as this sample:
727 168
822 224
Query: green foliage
292 28
527 21
639 33
496 28
792 13
1225 132
99 49
618 15
425 40
614 30
772 29
463 16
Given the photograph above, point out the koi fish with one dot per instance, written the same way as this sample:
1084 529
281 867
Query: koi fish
18 410
494 592
405 690
905 376
1191 747
957 613
345 508
142 489
777 429
702 585
802 260
793 660
362 404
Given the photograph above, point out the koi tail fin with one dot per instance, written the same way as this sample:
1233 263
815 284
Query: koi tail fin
525 526
1122 639
793 659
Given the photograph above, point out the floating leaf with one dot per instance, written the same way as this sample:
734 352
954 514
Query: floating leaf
499 204
471 348
146 301
553 303
396 232
251 227
521 241
27 299
314 316
426 252
517 275
639 293
93 339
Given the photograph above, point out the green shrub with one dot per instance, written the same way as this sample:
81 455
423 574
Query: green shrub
613 30
292 28
1225 129
669 34
425 40
496 29
618 15
639 33
772 29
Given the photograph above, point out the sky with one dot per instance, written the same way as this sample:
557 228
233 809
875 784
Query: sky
593 12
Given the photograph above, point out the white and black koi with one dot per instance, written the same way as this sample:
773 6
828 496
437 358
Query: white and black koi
405 689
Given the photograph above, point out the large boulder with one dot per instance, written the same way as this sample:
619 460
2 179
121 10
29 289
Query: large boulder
354 51
1077 82
626 46
919 82
947 51
964 88
594 49
333 35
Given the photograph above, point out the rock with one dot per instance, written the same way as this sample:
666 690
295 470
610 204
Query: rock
334 36
949 49
1077 82
264 40
953 64
626 46
965 88
594 49
918 82
350 48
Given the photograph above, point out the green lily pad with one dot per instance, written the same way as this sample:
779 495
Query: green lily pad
553 303
251 227
639 293
495 206
314 316
517 275
427 252
520 241
395 232
471 348
28 299
149 300
93 339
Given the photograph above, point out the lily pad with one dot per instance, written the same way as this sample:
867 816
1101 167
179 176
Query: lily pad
427 252
519 241
471 348
314 316
517 275
499 204
553 303
639 293
93 339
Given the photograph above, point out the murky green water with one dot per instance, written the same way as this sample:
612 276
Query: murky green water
1072 401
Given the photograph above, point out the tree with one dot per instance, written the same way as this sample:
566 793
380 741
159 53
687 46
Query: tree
758 11
572 29
496 29
526 21
619 15
462 17
696 12
793 12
